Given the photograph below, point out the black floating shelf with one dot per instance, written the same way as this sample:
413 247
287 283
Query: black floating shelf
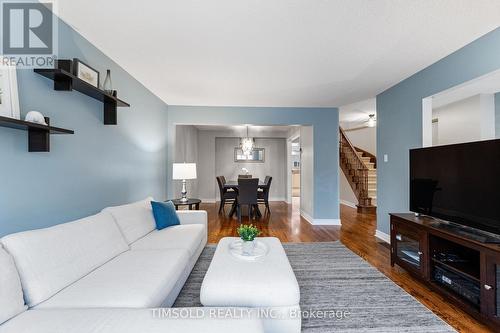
65 81
38 135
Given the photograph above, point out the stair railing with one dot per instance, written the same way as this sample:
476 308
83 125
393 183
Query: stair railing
354 163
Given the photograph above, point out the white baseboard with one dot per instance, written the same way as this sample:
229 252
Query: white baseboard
313 221
348 203
383 236
208 200
327 222
306 217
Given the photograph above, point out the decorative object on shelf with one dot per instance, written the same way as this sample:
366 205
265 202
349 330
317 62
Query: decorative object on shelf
9 98
38 134
66 81
184 171
247 144
247 234
108 84
85 73
35 117
256 155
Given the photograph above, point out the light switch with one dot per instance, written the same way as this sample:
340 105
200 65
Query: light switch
386 158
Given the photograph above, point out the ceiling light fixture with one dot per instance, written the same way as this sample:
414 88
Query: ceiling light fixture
247 144
372 122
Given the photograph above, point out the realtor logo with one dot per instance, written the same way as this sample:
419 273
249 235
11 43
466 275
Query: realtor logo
27 28
29 34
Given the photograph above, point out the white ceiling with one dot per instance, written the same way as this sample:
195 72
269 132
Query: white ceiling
357 114
277 52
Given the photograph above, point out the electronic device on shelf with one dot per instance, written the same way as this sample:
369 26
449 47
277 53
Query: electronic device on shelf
461 285
450 257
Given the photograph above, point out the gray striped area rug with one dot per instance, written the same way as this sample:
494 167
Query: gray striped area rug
333 280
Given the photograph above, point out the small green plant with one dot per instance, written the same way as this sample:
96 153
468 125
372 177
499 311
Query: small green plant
248 232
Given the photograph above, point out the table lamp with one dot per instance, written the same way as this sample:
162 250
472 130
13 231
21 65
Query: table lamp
184 171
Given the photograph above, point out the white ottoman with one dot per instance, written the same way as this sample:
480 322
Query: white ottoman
268 284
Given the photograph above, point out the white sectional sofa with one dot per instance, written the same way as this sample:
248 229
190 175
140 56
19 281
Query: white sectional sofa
105 273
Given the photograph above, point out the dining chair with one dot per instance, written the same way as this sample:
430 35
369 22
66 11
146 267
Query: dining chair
226 196
263 195
247 195
244 176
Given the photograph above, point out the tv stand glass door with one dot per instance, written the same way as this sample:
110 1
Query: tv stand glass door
409 248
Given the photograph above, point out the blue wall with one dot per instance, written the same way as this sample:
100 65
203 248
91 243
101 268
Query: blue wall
399 117
325 128
98 165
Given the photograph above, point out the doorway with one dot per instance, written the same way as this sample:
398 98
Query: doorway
295 167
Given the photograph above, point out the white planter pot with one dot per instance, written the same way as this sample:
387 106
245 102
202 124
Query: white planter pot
248 247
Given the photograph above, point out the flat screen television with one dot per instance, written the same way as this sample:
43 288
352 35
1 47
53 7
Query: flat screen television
458 183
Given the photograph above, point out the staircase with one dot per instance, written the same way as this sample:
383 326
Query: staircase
359 167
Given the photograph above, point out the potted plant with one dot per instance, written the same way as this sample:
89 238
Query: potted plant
247 234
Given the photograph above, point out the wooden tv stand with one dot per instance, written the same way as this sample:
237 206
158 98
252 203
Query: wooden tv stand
463 270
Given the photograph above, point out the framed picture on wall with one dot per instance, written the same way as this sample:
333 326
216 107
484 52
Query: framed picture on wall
85 72
257 155
9 97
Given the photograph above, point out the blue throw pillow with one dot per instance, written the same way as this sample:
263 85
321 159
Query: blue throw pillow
165 214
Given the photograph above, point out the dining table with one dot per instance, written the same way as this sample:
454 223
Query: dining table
233 185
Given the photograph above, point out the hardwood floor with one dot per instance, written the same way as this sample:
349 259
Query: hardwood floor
356 233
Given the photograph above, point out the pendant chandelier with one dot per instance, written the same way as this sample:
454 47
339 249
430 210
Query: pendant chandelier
247 144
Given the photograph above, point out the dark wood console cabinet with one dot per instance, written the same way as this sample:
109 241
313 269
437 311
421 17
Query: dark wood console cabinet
464 270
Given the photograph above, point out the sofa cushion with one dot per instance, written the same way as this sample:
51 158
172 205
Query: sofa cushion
134 279
11 293
186 237
135 220
164 214
135 320
52 258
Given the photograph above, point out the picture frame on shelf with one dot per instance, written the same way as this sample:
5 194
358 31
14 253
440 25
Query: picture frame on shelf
9 95
85 73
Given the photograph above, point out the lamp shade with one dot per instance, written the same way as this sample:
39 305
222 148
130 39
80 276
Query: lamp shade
183 171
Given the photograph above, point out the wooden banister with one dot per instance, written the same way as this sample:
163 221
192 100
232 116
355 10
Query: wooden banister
345 140
373 158
355 169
